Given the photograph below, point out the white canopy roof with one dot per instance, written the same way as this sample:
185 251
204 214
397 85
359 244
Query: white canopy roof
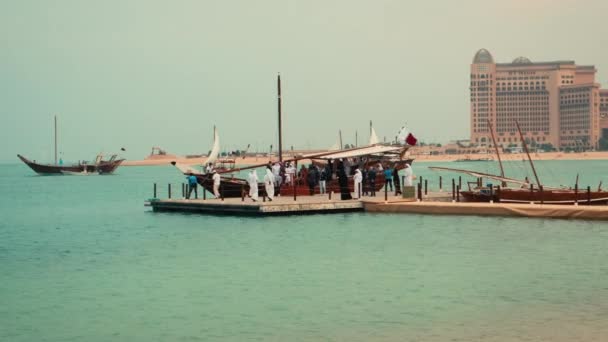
359 152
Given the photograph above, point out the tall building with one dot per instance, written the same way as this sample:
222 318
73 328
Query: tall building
604 113
555 103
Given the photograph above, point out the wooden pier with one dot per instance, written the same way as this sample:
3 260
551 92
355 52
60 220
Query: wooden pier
279 206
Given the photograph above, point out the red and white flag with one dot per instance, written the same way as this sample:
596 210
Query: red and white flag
406 137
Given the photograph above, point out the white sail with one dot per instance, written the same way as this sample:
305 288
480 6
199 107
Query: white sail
373 138
215 151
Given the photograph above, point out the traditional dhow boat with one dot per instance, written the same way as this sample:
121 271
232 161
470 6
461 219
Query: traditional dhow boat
100 166
231 186
526 191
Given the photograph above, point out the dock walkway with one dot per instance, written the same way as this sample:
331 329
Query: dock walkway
279 206
437 203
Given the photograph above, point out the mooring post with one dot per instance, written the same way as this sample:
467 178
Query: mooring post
329 194
532 193
222 192
294 182
419 192
576 194
440 184
541 194
359 191
183 191
426 187
459 181
243 193
154 190
169 190
491 194
385 190
458 193
498 194
264 196
453 190
204 193
588 195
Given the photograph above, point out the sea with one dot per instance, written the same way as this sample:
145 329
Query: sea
82 259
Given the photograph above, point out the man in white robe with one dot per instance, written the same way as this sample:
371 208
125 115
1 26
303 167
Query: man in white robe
216 184
358 178
269 183
253 185
408 175
276 172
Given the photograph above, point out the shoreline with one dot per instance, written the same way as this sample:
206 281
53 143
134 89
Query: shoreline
603 155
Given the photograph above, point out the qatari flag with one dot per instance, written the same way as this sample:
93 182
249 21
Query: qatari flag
411 139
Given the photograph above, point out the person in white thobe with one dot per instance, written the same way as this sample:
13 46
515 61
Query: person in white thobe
276 172
408 175
358 178
253 185
269 183
216 184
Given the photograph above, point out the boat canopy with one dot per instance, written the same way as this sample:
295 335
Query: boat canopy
360 152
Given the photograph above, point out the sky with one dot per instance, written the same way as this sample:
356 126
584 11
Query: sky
138 74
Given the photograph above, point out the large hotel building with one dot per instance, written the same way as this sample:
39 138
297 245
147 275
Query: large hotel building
555 103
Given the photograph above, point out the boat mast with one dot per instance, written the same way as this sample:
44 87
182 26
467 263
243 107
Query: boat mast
356 138
280 126
55 139
523 141
502 171
340 134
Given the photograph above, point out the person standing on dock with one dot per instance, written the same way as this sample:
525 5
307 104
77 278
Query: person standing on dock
408 174
371 177
397 181
209 168
269 183
253 185
358 180
343 181
311 179
388 178
323 180
216 184
193 185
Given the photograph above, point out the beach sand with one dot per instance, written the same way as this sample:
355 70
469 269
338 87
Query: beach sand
417 157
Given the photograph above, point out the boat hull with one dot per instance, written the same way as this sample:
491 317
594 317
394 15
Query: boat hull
46 169
238 187
535 196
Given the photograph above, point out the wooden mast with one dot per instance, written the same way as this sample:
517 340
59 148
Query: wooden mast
280 125
340 133
523 141
55 139
502 171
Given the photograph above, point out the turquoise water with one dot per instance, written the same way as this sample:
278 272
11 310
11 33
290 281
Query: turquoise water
81 259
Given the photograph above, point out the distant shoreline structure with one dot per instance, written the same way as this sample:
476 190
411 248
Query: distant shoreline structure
249 160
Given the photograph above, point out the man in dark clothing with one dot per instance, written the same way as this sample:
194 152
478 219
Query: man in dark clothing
193 184
312 178
371 176
397 181
343 181
364 182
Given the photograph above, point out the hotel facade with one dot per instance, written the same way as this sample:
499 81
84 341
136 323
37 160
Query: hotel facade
555 103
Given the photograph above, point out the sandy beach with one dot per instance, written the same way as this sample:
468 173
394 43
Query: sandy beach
158 160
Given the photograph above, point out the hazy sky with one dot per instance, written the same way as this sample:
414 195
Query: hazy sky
144 73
